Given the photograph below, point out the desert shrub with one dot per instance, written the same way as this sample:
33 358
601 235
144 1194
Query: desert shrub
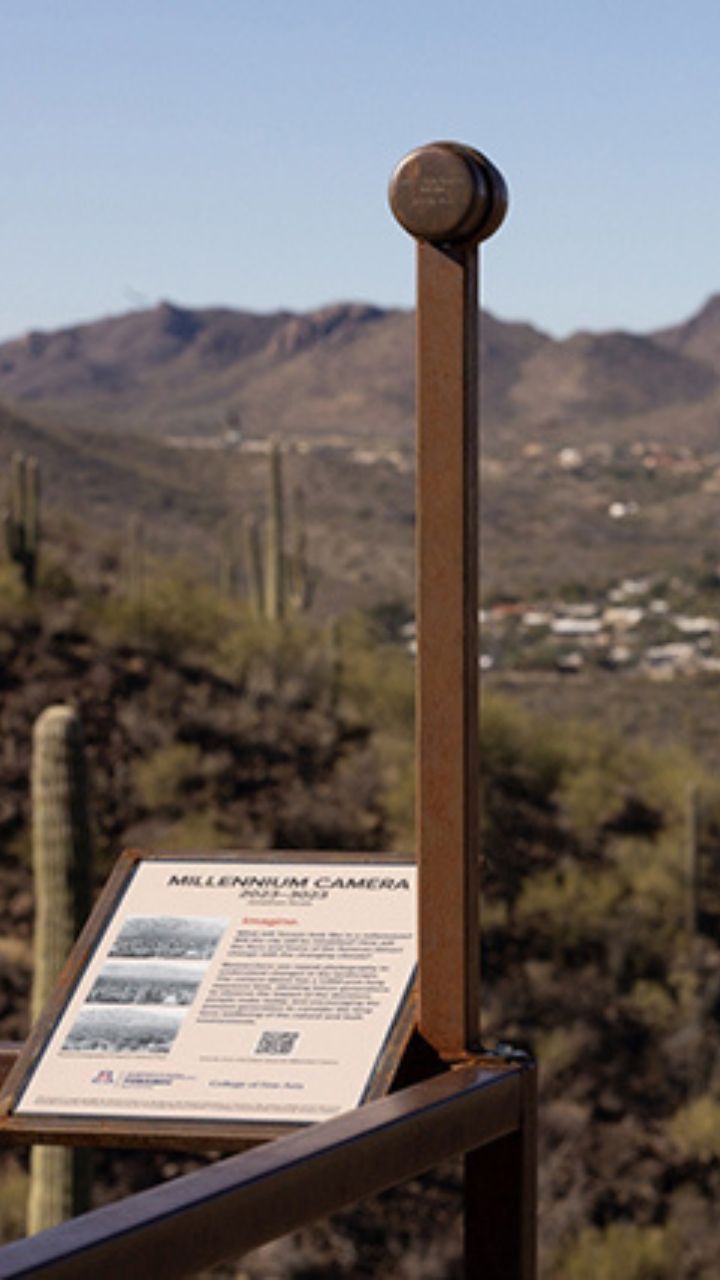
396 757
55 580
626 911
590 798
621 1251
15 601
372 682
376 680
571 907
559 1049
610 782
647 931
172 615
199 831
14 1184
162 777
289 661
651 1004
695 1128
518 753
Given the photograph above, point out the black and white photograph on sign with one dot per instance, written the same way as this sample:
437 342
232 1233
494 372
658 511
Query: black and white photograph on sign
171 982
169 937
100 1030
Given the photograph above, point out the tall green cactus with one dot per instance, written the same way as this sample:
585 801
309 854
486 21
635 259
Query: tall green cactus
279 584
301 581
22 518
275 577
227 562
252 552
135 567
61 855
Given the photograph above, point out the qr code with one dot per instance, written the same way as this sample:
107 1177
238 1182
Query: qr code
277 1042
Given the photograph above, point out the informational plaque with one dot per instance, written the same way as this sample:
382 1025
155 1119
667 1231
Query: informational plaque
231 988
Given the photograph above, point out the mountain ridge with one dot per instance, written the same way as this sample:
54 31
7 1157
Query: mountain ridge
165 414
343 369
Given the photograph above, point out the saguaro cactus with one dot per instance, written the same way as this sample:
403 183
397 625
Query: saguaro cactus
61 854
252 552
275 539
135 558
278 583
301 581
22 518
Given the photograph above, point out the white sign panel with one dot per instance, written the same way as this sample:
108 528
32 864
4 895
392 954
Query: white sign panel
234 990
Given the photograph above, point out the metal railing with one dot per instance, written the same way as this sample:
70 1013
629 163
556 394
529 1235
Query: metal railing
484 1111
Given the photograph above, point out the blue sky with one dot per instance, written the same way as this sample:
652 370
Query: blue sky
237 152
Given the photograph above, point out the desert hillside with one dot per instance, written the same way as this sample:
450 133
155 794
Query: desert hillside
166 414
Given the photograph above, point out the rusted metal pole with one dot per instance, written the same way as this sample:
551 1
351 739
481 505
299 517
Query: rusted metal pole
450 197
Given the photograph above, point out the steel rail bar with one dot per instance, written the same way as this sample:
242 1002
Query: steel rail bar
238 1204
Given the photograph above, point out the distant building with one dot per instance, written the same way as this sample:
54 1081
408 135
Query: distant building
696 626
663 661
569 664
623 617
569 459
621 510
576 626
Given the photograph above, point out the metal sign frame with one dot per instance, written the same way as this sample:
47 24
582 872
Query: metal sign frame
156 1131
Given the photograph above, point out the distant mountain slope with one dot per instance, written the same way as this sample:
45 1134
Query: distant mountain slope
177 370
105 478
341 371
596 376
699 337
103 407
193 501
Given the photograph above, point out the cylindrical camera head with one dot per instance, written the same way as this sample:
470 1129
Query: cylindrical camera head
448 193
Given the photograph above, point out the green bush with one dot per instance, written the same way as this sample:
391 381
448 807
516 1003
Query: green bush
629 906
621 1251
561 1048
291 661
198 831
13 1198
651 1004
14 599
173 615
376 680
396 757
572 907
518 752
162 777
695 1128
610 781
